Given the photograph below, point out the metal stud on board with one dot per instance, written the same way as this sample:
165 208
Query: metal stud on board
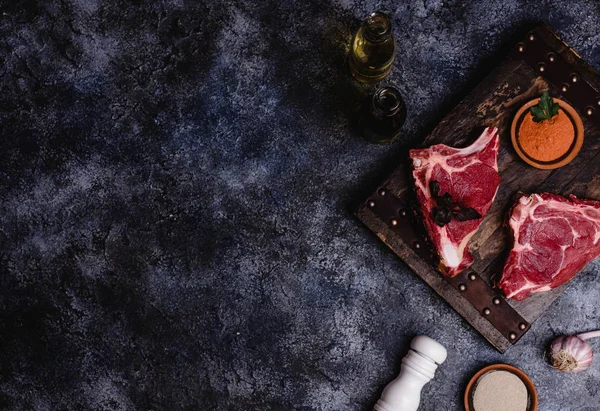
551 57
541 67
522 326
589 111
496 301
564 88
521 47
531 37
512 336
394 210
574 78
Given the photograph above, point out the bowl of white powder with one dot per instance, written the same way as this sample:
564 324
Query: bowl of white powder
501 387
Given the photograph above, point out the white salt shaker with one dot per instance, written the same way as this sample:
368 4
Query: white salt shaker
418 368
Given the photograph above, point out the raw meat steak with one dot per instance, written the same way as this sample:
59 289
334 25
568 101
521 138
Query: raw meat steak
553 239
455 188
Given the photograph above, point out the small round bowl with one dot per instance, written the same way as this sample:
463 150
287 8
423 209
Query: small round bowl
568 156
533 397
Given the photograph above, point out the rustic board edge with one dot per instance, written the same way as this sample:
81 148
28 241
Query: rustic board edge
433 278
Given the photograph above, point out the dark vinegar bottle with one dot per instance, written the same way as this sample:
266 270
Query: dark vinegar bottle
383 115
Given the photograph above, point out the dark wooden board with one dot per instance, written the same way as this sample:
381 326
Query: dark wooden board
494 102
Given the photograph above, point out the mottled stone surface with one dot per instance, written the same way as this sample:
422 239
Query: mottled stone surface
177 182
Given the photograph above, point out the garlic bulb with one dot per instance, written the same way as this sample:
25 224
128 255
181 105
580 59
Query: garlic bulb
572 353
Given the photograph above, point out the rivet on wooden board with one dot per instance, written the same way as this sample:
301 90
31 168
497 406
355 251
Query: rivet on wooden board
417 245
541 67
564 88
521 47
574 78
371 203
403 213
462 287
394 222
589 111
598 102
531 37
382 192
551 57
496 301
472 277
486 311
512 336
522 326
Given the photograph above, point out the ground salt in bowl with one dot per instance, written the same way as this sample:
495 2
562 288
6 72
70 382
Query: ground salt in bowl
500 391
501 387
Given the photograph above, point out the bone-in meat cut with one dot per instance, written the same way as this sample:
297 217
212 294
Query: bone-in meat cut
455 188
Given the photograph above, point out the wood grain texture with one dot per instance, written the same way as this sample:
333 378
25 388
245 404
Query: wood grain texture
494 102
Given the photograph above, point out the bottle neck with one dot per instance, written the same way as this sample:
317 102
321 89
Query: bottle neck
386 102
378 27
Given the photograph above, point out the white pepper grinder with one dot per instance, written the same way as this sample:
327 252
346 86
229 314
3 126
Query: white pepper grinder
418 368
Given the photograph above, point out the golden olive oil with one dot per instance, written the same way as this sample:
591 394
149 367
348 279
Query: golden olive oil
373 49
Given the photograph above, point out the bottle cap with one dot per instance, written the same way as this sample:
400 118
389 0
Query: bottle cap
429 348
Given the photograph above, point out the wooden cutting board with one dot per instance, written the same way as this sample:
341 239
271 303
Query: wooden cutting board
539 62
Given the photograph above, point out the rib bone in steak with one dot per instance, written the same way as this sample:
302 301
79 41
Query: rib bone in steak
470 176
553 239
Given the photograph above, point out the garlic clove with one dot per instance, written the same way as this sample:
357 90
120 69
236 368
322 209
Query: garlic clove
571 354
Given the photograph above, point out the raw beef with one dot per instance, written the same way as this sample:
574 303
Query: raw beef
455 188
553 239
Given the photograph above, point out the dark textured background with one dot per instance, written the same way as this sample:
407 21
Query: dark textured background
177 182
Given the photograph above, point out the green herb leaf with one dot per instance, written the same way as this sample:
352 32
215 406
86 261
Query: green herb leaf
545 109
465 214
448 209
441 216
434 187
445 200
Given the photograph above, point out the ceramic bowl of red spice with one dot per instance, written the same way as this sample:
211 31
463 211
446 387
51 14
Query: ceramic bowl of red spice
547 144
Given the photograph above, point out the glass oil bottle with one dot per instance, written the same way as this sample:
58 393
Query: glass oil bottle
383 115
373 49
